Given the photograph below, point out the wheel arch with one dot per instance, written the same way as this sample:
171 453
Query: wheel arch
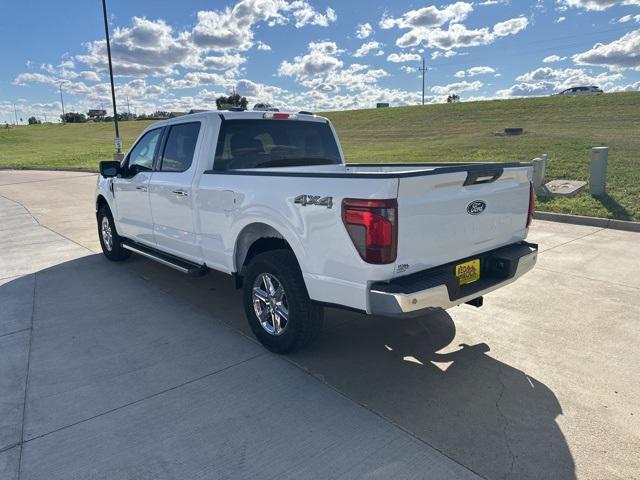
100 202
257 238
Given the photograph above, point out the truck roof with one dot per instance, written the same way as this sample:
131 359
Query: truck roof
231 114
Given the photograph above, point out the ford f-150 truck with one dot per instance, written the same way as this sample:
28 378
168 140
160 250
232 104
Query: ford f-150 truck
267 198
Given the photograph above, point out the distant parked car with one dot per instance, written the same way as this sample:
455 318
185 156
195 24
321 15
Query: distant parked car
265 107
582 91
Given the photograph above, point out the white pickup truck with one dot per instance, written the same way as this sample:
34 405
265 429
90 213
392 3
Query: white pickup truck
267 198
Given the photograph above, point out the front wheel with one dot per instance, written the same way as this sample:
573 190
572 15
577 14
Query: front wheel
277 304
110 241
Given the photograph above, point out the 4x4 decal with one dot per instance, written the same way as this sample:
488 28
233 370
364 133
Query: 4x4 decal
305 200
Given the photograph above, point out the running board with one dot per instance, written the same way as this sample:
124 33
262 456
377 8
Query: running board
176 263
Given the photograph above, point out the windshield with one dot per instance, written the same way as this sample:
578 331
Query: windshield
262 143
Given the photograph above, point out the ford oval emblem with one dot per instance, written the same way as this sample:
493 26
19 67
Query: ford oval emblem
476 207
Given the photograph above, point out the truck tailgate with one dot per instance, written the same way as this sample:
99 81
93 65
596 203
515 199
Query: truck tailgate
453 215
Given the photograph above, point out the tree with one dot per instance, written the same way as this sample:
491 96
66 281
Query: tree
33 121
126 116
453 98
73 117
233 100
160 114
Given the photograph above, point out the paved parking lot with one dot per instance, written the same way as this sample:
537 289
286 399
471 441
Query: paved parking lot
135 371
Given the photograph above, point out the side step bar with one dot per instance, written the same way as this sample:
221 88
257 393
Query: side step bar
176 263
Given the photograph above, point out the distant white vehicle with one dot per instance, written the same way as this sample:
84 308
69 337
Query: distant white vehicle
581 91
265 107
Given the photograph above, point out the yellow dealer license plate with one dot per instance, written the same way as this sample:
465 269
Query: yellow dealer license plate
468 272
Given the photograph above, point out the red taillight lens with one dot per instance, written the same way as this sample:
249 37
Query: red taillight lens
281 116
532 204
373 228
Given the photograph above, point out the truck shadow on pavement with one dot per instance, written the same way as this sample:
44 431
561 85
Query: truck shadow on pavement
484 414
487 415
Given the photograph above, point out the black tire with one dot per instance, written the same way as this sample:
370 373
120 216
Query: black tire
304 319
116 253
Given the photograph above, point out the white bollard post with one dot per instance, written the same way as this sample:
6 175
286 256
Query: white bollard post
598 170
538 172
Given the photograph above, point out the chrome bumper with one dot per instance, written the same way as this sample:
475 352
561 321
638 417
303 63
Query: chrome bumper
411 303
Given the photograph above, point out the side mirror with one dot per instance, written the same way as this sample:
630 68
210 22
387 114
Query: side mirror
109 168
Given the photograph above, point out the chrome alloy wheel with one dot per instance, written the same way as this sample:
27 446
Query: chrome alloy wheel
107 235
270 304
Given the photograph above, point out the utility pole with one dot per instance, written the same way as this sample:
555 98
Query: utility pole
128 108
15 112
118 142
424 71
61 101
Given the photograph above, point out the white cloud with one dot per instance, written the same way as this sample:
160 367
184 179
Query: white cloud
597 5
510 27
629 18
632 87
441 28
560 19
553 59
148 47
445 54
457 87
225 61
199 79
263 46
623 53
459 36
404 57
429 17
364 30
473 71
305 14
321 59
369 47
232 28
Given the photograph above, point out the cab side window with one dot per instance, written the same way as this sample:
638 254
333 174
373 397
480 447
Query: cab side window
141 156
180 147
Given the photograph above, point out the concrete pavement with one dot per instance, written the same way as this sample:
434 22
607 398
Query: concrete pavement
135 371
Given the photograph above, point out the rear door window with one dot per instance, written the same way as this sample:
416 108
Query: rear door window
180 147
264 143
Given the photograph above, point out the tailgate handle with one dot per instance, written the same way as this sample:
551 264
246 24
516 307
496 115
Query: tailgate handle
483 176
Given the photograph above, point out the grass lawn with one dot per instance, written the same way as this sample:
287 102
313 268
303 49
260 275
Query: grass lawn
565 128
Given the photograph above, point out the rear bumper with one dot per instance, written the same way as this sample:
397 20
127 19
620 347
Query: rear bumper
438 287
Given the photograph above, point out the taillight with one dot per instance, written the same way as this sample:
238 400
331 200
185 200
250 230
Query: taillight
373 228
532 204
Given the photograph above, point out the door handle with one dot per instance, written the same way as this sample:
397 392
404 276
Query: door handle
142 188
180 193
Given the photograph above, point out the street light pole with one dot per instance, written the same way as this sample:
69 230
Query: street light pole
118 142
61 101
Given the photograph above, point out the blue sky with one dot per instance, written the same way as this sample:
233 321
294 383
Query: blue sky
312 54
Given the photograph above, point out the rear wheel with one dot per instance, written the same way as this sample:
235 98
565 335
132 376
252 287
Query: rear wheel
110 241
277 304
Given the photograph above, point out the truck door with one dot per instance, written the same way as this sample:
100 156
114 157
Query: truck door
171 192
131 190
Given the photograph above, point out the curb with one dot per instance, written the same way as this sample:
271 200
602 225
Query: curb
588 221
